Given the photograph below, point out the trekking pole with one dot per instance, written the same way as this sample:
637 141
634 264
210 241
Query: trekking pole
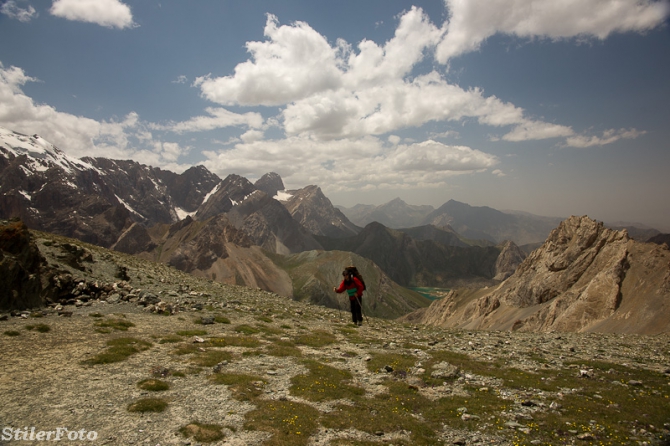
361 305
339 307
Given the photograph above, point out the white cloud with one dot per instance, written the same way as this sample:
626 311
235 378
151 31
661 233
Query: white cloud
181 79
79 136
13 10
293 63
531 130
609 136
218 118
107 13
473 21
350 164
499 173
432 156
333 91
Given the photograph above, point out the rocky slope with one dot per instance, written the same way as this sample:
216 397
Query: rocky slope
226 365
316 213
94 199
585 277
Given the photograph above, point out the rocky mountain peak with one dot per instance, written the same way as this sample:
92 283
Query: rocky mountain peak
270 183
585 277
312 209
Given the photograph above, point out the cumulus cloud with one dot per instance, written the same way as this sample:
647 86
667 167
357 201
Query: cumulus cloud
432 156
107 13
608 137
335 91
347 164
471 22
128 138
14 10
294 62
531 130
217 118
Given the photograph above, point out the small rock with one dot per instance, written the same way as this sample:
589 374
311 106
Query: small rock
633 382
379 433
113 298
586 437
207 320
198 340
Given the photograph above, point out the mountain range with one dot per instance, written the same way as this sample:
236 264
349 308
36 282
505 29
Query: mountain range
291 242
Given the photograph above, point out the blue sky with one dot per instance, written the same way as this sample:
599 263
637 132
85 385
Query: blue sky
552 107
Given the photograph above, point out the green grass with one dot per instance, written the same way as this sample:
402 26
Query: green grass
153 385
171 339
221 320
317 338
192 333
235 341
12 333
290 423
398 362
246 329
243 387
42 328
116 324
205 433
283 349
119 350
210 358
148 405
324 382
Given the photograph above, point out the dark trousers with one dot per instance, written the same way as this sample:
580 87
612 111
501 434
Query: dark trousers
356 311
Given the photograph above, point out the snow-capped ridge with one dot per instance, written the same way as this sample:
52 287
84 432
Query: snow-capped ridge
41 153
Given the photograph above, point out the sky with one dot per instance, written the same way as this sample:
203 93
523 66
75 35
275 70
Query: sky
553 107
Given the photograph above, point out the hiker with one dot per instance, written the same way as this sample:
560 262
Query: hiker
353 284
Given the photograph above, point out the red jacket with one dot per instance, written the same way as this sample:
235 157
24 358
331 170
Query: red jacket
354 288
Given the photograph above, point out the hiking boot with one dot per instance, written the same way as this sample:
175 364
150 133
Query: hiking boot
359 323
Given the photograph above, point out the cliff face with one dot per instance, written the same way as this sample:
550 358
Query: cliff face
584 278
20 284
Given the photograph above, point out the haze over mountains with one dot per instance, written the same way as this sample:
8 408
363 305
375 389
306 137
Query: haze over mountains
292 242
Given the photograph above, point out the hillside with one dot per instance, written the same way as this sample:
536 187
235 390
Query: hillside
431 257
175 359
584 278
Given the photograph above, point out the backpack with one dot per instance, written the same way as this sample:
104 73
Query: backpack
354 272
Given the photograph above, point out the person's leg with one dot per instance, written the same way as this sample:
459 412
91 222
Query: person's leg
354 308
359 313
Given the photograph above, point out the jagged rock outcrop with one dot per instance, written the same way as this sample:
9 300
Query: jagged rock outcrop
584 278
217 250
92 199
134 240
312 209
231 191
270 183
188 189
20 261
269 225
509 259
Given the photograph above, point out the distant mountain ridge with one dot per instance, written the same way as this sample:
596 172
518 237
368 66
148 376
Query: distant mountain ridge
472 222
585 277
